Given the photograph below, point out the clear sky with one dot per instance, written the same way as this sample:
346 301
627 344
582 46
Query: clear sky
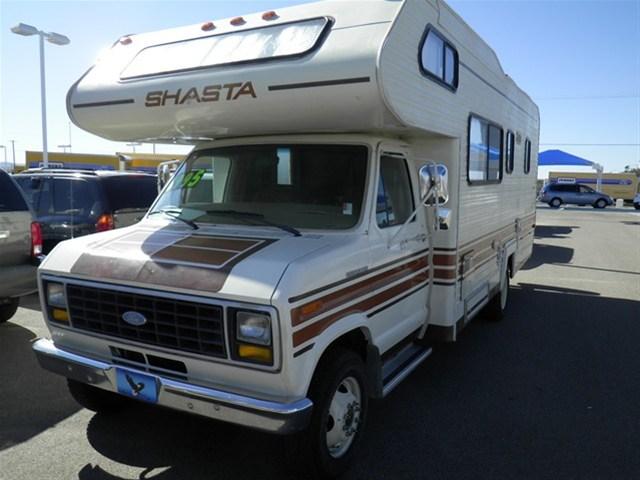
579 60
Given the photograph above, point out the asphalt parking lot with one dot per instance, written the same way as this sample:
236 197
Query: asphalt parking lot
553 391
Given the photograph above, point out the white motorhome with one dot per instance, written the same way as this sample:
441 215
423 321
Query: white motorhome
363 183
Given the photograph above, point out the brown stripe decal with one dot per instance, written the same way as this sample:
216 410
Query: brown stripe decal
320 326
317 307
168 258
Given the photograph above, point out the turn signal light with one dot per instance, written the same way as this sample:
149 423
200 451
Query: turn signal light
60 315
104 223
253 352
36 239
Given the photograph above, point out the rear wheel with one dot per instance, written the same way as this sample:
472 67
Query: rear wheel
340 403
600 203
8 309
555 202
95 399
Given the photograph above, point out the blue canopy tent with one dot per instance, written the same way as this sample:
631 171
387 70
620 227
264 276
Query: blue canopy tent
558 157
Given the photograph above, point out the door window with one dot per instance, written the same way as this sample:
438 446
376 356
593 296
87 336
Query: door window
395 198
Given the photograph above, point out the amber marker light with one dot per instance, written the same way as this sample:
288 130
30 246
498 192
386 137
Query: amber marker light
208 26
60 315
254 352
125 40
237 21
270 15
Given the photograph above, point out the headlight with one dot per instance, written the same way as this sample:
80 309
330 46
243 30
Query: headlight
56 296
252 341
253 328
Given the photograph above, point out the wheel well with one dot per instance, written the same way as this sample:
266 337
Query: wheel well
358 342
355 340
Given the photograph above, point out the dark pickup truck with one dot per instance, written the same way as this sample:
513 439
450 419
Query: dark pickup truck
20 247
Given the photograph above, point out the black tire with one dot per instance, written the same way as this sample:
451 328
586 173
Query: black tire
600 203
308 451
636 206
8 310
494 310
555 202
95 399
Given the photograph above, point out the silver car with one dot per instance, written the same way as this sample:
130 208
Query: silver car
20 247
556 194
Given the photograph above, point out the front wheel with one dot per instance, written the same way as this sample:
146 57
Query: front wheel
555 203
340 403
601 203
9 309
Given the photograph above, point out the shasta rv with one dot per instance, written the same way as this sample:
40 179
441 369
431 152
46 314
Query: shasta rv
362 184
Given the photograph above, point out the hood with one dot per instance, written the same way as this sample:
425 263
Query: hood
231 265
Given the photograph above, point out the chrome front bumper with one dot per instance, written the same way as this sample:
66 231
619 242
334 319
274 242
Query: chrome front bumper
229 407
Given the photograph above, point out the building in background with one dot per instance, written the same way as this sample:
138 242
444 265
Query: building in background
616 185
146 162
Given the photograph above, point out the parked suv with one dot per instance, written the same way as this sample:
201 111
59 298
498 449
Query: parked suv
72 203
556 194
20 247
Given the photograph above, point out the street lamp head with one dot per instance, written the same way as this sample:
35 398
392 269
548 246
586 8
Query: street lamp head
56 38
24 29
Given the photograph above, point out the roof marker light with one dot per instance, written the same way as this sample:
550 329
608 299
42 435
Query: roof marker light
270 15
125 40
237 21
208 26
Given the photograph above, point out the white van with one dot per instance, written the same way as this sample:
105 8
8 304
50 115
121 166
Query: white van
363 183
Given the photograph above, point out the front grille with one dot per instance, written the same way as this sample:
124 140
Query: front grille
175 324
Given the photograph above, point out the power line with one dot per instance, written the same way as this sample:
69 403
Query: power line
589 97
591 144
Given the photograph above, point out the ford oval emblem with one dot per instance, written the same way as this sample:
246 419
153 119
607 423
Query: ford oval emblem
134 318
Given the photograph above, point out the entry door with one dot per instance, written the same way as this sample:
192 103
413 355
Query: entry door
402 247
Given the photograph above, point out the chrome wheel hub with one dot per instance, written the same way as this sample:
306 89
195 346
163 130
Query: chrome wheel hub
343 420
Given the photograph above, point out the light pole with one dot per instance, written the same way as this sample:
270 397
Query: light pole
13 152
56 39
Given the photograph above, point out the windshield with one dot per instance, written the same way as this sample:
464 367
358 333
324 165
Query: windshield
303 186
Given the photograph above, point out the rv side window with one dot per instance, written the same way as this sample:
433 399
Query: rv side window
395 197
485 152
439 60
510 151
527 156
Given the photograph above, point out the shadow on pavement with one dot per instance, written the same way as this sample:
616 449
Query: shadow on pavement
543 253
546 393
31 399
552 231
174 445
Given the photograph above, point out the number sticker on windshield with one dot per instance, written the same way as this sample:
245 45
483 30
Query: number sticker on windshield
192 179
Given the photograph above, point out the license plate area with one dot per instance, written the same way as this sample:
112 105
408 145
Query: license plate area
137 385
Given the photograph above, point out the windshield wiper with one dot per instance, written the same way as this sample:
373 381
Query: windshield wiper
175 213
258 217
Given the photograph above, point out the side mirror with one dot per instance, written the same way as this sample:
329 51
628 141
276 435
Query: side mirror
434 181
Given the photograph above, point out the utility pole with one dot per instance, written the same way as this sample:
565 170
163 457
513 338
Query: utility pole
13 152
